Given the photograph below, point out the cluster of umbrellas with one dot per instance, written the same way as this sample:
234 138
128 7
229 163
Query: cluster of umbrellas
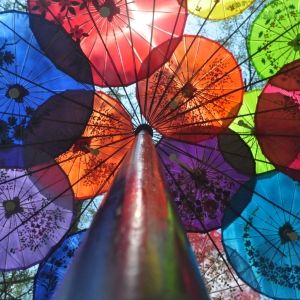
230 154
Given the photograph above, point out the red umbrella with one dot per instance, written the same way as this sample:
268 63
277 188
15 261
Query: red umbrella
118 36
280 140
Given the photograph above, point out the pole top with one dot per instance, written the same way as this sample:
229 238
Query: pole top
144 127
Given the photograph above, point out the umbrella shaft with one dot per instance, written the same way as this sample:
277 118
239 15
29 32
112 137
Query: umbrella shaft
136 249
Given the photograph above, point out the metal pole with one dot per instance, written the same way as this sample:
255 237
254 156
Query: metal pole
136 248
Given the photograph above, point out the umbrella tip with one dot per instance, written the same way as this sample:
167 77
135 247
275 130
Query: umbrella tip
287 233
144 127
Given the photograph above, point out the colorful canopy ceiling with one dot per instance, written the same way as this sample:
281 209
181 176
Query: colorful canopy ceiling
79 80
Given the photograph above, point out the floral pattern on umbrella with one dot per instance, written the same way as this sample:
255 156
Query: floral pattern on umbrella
200 181
36 210
52 271
200 86
274 40
262 240
25 85
217 10
93 159
221 280
118 36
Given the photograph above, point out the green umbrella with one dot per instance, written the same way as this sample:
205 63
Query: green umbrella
274 38
244 125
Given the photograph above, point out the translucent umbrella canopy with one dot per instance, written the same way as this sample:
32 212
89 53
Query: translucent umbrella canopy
221 280
217 10
93 159
200 180
52 270
26 85
36 210
262 240
289 77
244 125
278 121
118 36
195 93
53 127
274 39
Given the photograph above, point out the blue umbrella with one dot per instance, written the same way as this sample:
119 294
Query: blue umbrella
262 236
27 80
52 270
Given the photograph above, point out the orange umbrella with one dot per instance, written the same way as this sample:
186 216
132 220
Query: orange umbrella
195 94
93 159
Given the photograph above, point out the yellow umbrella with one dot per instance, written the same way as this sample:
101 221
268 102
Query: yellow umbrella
221 10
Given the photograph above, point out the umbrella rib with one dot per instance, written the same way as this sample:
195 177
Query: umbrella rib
55 163
186 53
156 107
51 201
87 206
225 74
148 65
199 219
149 114
256 193
224 118
112 61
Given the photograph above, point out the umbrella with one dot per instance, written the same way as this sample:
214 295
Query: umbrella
279 140
200 86
36 209
51 130
217 10
26 85
288 78
83 145
244 125
94 157
275 36
200 181
52 270
219 277
262 240
116 36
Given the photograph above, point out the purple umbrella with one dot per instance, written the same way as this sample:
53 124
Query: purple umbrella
36 209
200 180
